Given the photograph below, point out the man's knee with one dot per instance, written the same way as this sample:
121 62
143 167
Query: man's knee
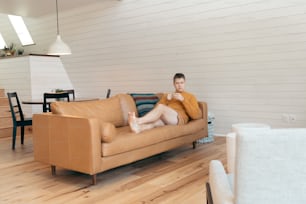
160 108
163 108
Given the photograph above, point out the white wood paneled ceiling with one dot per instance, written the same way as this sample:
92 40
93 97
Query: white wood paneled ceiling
36 8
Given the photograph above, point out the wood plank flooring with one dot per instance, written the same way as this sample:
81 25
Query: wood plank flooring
176 176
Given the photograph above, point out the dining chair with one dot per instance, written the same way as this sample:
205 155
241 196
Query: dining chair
49 97
17 117
71 92
108 93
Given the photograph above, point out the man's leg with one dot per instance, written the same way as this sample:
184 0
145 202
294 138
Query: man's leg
159 116
160 112
148 126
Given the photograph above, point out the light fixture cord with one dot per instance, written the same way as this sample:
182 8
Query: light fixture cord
57 18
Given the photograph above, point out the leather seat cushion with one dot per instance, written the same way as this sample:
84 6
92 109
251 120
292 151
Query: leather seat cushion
125 140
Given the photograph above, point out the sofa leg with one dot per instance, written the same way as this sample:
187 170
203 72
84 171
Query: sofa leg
53 170
208 194
194 145
94 179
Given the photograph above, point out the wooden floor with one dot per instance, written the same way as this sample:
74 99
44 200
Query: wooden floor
176 176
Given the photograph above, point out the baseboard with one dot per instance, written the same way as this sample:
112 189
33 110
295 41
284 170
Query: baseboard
219 135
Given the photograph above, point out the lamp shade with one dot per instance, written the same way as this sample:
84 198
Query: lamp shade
59 47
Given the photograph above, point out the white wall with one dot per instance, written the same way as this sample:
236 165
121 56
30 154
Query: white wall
47 74
245 58
14 76
31 76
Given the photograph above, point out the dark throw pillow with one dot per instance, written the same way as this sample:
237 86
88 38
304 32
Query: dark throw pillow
145 102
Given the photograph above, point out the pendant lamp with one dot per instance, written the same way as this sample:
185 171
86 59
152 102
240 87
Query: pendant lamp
59 47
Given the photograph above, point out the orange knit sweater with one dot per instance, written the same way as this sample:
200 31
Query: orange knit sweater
186 109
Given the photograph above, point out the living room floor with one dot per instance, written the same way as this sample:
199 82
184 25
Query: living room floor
176 176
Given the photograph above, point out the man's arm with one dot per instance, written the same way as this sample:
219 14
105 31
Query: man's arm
191 106
163 100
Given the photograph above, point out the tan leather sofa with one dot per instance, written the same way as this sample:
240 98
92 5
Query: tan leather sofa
94 136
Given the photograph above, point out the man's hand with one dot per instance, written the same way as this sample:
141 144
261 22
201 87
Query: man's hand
169 96
178 96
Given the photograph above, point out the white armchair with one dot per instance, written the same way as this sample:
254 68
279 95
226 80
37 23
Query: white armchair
231 141
270 168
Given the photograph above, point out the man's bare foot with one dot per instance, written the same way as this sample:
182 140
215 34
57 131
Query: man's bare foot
133 122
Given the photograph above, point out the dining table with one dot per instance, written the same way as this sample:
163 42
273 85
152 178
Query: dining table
41 102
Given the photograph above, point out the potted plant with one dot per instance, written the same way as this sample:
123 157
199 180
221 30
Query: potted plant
20 51
10 50
59 90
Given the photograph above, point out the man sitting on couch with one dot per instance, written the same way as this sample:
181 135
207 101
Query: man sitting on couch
173 109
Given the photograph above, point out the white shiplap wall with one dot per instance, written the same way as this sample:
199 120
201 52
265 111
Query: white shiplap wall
15 77
31 76
47 74
245 58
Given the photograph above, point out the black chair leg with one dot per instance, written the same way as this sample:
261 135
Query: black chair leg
14 137
194 144
209 199
94 179
22 134
53 170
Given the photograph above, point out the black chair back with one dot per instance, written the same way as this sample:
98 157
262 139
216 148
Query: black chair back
71 92
15 107
53 96
17 116
108 93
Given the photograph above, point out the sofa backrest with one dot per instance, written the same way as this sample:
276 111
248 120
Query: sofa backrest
127 105
113 110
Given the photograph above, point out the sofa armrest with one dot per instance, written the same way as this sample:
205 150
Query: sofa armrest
203 108
219 184
67 141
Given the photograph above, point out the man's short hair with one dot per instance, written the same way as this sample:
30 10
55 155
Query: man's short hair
178 76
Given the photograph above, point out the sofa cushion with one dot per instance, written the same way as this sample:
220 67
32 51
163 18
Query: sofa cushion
145 102
107 131
126 140
106 110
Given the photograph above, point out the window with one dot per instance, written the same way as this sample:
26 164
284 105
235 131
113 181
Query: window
21 30
2 42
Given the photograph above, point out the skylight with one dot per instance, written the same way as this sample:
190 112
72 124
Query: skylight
21 30
2 42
